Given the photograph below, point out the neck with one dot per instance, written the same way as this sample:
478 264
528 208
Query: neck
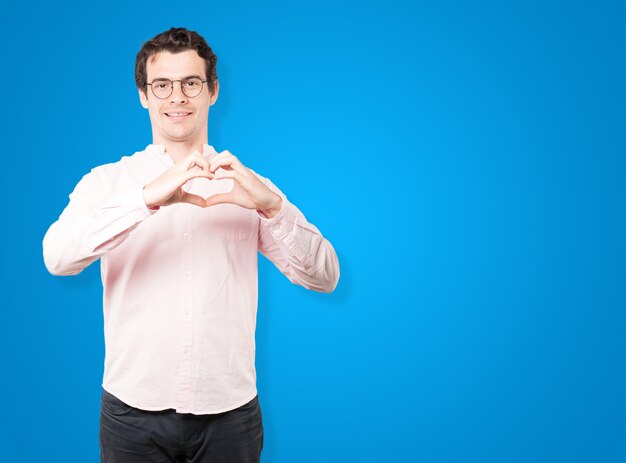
180 150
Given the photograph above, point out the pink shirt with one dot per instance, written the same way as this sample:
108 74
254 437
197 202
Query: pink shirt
180 283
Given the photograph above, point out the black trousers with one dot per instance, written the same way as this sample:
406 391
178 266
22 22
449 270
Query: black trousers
131 435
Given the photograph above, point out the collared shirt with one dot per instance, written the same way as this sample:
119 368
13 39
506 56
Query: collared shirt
180 282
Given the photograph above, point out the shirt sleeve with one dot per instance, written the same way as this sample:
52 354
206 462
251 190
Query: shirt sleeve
297 247
92 224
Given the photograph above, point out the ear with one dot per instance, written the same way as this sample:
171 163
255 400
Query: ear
215 93
143 98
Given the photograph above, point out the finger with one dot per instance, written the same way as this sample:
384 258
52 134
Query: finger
224 153
220 174
196 159
224 160
196 172
198 162
193 199
191 160
220 198
221 160
199 156
186 161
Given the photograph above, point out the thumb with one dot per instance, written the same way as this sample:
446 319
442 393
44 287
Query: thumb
192 199
219 199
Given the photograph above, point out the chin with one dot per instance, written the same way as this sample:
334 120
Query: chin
180 136
178 132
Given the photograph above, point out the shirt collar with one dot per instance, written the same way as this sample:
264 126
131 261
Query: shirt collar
159 150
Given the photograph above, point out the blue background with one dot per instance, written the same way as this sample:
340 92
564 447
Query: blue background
467 162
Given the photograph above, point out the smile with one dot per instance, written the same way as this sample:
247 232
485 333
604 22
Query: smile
177 115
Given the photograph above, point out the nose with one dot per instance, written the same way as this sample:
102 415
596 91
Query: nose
177 92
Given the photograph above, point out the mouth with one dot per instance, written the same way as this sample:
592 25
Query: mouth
177 115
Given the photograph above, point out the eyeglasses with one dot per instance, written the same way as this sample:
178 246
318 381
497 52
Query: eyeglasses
163 88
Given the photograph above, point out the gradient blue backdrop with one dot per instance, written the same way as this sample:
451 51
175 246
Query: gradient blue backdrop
466 160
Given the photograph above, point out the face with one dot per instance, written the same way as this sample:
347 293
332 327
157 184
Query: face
192 128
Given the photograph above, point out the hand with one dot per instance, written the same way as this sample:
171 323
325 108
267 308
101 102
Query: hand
248 191
167 189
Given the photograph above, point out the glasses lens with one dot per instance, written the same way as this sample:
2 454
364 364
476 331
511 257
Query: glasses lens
162 88
192 87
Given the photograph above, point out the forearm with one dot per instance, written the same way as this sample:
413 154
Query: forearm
81 236
299 250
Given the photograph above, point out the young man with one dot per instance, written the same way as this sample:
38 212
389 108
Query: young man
177 227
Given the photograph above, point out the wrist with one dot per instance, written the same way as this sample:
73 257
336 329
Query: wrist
149 204
274 207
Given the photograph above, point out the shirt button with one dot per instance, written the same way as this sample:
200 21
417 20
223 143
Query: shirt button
186 235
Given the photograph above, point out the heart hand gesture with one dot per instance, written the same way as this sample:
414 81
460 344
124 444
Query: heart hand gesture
248 191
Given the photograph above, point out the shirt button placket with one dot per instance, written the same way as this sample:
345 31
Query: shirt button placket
184 391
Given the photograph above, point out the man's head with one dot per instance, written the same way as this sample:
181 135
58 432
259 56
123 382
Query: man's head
175 40
184 58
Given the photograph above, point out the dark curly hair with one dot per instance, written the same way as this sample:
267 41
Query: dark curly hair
177 39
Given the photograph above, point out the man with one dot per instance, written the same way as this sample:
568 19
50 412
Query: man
177 227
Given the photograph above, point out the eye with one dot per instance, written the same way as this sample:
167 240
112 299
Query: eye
192 83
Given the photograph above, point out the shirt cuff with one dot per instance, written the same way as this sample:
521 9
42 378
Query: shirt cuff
283 223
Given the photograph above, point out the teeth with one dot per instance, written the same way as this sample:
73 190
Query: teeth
177 114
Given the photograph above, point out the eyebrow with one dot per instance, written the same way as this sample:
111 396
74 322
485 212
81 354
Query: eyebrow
183 78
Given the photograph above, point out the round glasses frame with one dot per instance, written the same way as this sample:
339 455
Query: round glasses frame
182 87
